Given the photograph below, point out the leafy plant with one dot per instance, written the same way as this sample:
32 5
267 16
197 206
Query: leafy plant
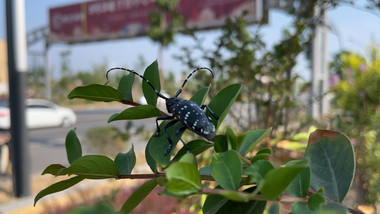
356 86
238 177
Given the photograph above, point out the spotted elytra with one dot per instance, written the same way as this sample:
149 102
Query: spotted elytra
188 113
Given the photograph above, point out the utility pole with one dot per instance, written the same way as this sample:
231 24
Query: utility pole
47 72
17 64
319 100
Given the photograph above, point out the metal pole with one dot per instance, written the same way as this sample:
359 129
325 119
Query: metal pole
316 69
320 75
325 64
17 64
47 73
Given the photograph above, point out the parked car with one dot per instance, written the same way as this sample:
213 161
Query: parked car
4 153
40 114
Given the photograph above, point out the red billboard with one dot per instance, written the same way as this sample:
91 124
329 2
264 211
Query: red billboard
111 19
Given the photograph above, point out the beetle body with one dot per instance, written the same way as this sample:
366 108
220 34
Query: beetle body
187 112
191 116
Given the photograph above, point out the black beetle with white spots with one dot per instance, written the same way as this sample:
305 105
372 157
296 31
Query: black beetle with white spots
186 112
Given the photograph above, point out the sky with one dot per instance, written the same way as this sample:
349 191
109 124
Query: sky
354 30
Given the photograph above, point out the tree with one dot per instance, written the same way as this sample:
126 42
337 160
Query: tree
356 81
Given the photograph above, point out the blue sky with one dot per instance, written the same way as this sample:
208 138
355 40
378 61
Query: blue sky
355 28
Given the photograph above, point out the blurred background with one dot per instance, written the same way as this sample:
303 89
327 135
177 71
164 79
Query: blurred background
304 65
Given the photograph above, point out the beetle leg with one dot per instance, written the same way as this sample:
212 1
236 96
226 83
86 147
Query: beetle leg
211 112
171 123
161 118
178 133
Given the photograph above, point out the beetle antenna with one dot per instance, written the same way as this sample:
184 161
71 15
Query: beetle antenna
142 77
183 84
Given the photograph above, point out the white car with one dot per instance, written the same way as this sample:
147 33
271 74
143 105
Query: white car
40 114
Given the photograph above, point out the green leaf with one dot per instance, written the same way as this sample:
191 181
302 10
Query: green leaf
276 181
125 86
315 201
135 113
189 158
221 143
57 187
213 204
235 195
170 194
232 139
332 164
152 74
250 207
300 185
92 167
261 154
226 169
331 208
125 162
195 146
138 195
259 157
200 96
73 147
96 92
53 169
300 208
159 144
223 101
161 181
264 151
252 138
259 169
274 209
183 178
149 159
219 204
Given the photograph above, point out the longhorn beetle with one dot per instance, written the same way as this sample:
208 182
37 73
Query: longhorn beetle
187 112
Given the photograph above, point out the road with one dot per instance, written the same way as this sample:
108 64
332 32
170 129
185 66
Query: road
47 146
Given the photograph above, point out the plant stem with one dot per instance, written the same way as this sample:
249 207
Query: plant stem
158 175
283 199
141 176
131 103
205 190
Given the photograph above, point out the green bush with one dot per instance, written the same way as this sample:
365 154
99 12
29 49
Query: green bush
356 89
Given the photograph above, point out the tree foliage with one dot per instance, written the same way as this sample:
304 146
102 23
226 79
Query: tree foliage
356 86
267 74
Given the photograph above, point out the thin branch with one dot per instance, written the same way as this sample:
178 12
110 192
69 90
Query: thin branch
141 176
131 103
162 175
205 190
283 199
353 211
